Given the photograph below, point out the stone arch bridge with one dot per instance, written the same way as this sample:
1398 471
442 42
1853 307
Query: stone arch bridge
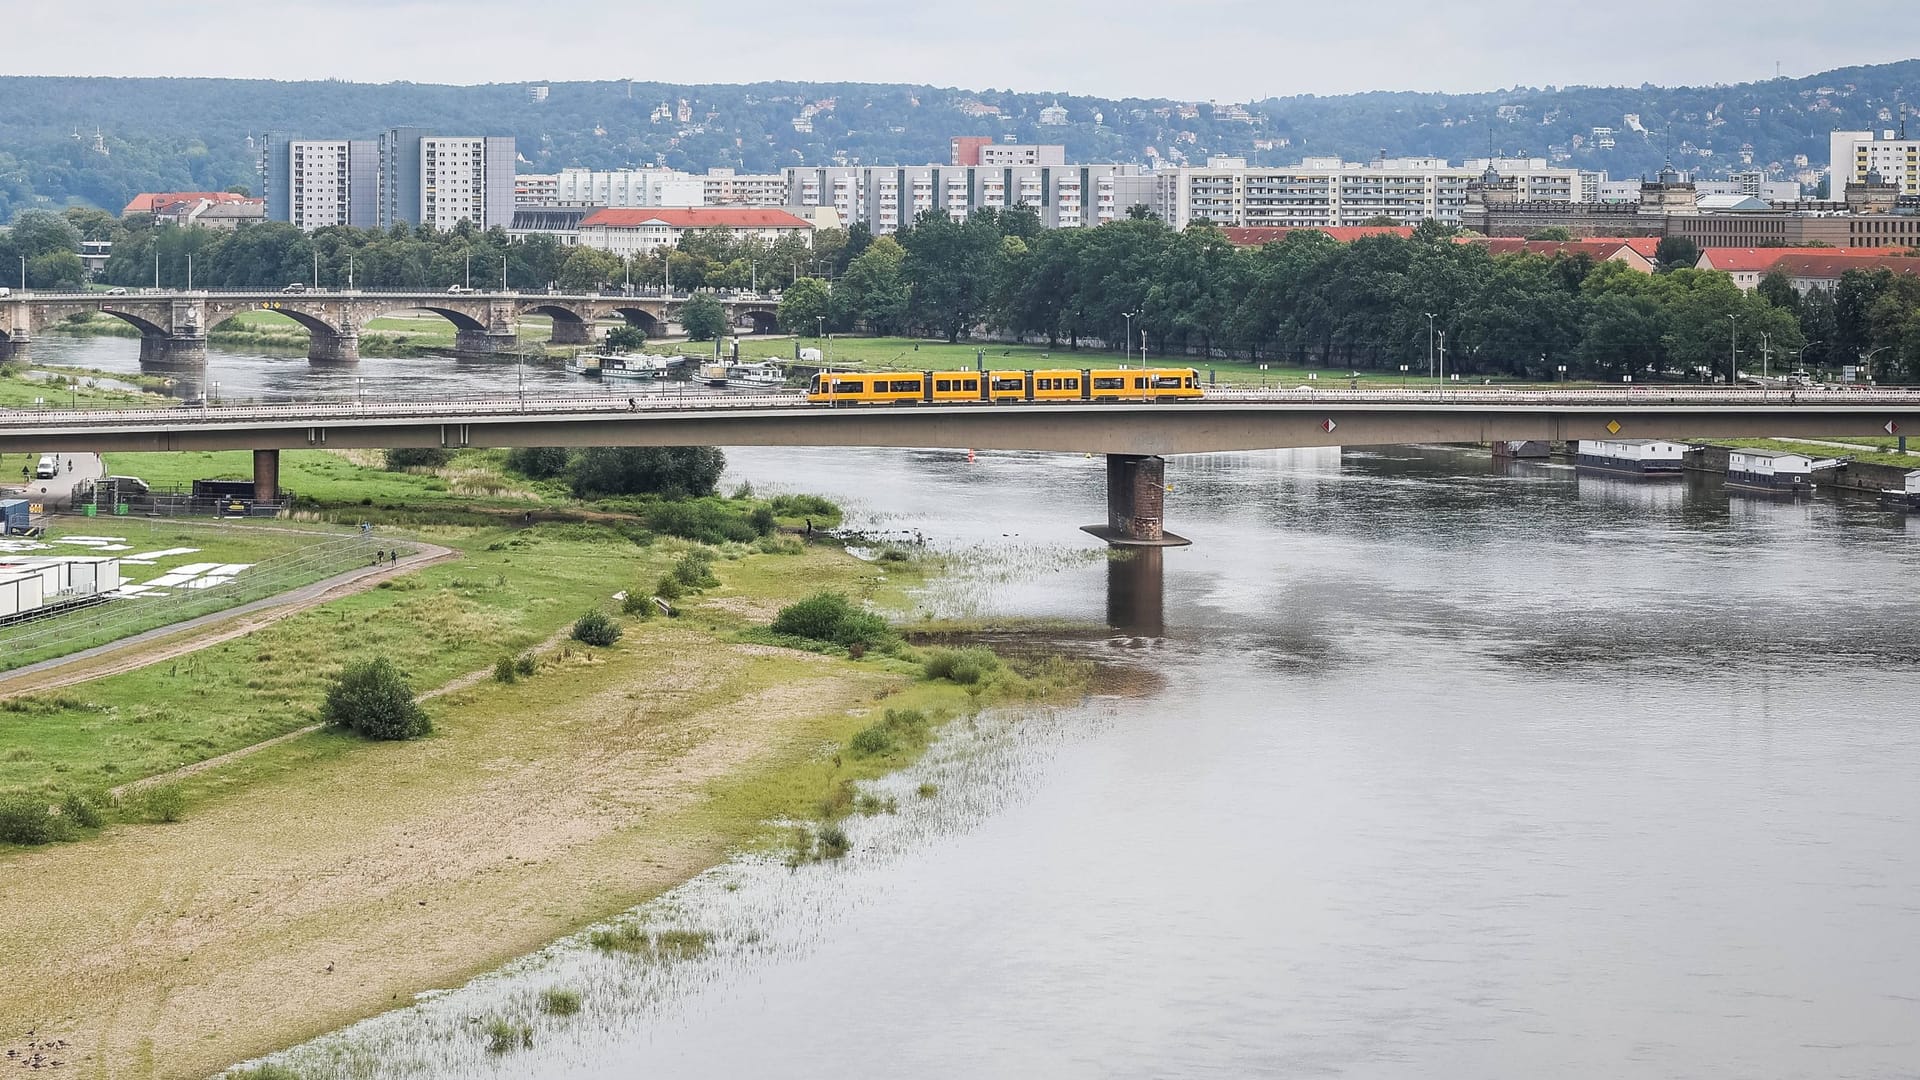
174 325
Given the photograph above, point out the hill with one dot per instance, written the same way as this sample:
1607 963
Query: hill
194 134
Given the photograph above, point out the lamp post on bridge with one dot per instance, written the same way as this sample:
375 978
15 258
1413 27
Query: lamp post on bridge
1430 317
1733 354
1800 358
23 273
469 263
1128 342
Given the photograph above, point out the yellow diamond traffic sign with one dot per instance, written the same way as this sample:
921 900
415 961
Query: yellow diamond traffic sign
1613 426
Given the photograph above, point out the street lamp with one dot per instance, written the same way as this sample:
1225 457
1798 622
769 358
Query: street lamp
23 273
1866 360
469 259
349 271
1430 317
1128 343
1733 357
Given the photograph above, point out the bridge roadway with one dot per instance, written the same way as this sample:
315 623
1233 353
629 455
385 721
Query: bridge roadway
174 325
1136 436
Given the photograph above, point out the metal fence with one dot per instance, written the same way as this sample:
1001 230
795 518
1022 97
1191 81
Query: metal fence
58 635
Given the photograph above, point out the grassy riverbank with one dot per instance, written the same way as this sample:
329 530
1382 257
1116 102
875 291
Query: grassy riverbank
24 387
324 878
405 334
1822 449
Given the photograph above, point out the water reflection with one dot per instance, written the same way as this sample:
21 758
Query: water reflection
1136 588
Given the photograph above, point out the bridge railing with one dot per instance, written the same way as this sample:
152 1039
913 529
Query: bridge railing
639 292
661 400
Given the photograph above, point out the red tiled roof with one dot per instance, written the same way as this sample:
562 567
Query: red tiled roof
1736 260
714 217
148 201
1829 265
1256 235
1648 246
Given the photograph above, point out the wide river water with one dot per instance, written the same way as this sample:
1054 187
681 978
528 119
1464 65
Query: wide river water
1415 765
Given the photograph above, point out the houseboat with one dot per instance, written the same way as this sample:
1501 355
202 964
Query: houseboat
1903 498
1631 457
634 366
1774 472
764 375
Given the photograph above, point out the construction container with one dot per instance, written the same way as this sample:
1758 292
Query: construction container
19 594
13 516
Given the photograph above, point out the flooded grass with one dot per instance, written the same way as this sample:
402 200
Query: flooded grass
636 940
558 1002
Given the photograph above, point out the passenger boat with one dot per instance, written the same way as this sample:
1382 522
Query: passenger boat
715 374
583 363
634 366
764 375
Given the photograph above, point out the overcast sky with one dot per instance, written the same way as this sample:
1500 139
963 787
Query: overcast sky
1231 50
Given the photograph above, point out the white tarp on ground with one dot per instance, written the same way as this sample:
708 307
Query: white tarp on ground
151 556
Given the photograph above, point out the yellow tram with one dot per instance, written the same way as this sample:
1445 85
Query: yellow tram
903 387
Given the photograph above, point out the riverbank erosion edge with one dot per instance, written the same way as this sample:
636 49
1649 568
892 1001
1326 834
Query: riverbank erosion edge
325 879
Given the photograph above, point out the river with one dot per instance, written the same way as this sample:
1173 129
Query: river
1422 765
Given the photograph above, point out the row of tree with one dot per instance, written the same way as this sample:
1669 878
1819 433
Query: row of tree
1375 304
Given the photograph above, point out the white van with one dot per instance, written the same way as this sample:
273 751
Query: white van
48 468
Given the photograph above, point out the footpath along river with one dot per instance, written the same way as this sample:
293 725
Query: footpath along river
1428 767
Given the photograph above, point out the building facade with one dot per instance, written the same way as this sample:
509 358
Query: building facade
628 232
1853 155
888 198
1328 192
405 176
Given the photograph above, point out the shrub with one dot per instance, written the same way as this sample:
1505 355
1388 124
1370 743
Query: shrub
801 506
673 471
24 819
505 670
159 803
833 842
504 1036
830 617
526 664
871 741
637 603
538 462
80 810
761 518
373 698
926 791
707 522
669 588
556 1002
596 627
963 666
695 570
402 458
897 728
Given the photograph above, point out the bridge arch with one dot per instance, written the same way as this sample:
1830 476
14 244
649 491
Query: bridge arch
146 326
643 319
759 320
313 323
460 319
569 326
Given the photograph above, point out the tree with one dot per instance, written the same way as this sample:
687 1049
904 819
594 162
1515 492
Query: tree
673 471
538 462
703 317
1676 253
1777 289
403 458
873 292
804 302
1551 232
626 338
586 269
373 698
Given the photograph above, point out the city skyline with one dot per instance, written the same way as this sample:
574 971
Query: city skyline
1117 48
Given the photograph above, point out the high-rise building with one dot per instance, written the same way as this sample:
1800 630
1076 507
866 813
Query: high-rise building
888 198
1855 154
466 178
1328 191
378 183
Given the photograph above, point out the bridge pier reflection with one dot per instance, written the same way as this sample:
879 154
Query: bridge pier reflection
1136 591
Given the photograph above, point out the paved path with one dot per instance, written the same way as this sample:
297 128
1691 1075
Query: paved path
167 642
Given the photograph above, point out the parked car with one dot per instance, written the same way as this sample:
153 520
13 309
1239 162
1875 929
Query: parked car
48 468
295 287
4 291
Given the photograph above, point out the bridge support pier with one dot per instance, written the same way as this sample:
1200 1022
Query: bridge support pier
483 343
329 347
571 332
13 347
266 476
173 352
1136 503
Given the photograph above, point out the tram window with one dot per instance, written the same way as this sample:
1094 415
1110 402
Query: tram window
941 386
972 384
1043 384
1072 384
1167 382
904 386
1009 384
1139 384
1109 384
844 386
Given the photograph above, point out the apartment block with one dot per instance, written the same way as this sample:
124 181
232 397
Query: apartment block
1329 192
323 182
405 176
1853 155
888 198
466 178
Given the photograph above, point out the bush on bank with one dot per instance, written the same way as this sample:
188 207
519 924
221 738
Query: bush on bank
374 699
832 618
596 627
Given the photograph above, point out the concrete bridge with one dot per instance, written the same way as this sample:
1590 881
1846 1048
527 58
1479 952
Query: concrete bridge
174 325
1136 437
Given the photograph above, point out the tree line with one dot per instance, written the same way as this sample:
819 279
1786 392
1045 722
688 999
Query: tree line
1371 305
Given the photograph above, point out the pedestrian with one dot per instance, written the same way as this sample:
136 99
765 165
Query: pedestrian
394 555
632 405
809 526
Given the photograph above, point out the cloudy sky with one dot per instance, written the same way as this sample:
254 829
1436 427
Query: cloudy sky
1193 49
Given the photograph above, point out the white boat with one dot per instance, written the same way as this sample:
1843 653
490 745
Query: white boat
715 374
763 375
634 366
584 363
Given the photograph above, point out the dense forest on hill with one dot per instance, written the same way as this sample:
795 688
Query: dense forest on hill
174 134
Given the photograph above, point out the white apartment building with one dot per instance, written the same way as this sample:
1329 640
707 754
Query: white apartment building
1328 191
1854 154
332 182
724 187
888 198
466 178
618 187
637 231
